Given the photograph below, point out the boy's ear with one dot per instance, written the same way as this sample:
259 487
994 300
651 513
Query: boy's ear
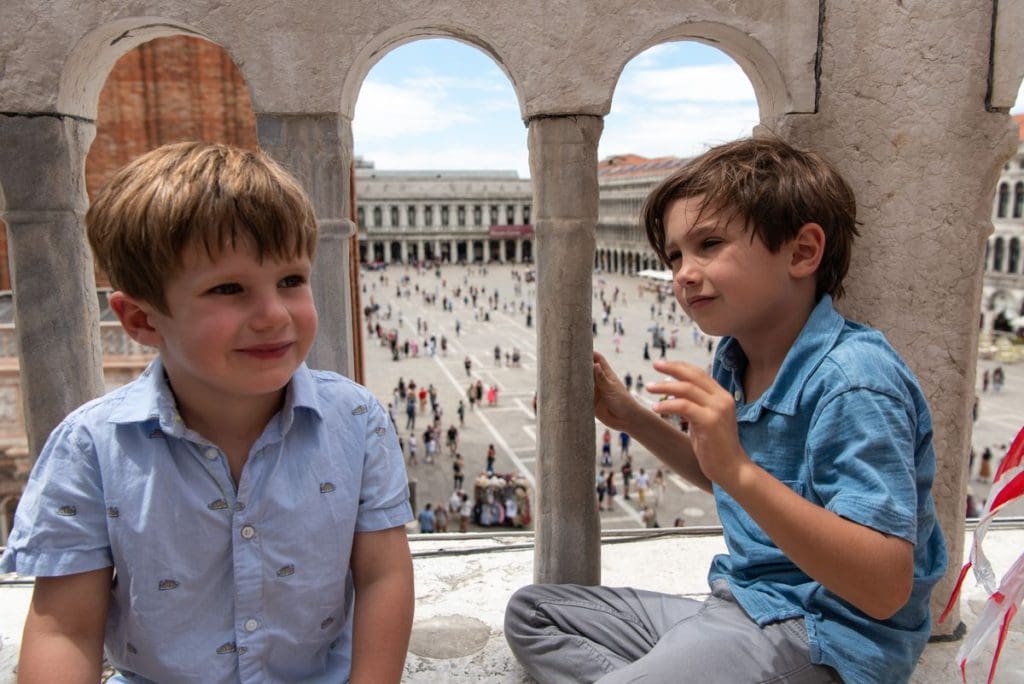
807 250
134 315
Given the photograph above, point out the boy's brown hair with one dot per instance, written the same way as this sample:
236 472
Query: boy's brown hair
194 194
776 188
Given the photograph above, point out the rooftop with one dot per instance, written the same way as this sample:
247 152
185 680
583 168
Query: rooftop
464 581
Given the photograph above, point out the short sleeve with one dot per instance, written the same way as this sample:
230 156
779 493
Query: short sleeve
384 491
861 450
60 527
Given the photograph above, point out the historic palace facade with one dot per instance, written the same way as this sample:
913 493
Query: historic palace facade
444 216
1003 291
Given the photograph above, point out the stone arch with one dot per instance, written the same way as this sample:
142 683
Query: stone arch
407 32
90 62
773 96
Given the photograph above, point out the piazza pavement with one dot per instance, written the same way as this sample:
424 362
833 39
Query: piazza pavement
511 425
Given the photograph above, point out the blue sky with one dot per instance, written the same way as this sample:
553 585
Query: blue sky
441 104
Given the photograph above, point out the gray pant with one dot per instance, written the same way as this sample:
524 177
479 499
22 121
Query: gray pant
572 633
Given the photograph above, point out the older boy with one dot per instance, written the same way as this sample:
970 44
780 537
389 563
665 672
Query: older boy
212 520
812 434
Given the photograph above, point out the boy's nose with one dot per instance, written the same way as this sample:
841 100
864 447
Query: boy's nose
688 273
269 312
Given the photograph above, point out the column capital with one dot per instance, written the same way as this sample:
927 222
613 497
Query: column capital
42 163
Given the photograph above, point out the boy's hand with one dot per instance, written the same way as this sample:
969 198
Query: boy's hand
698 399
613 404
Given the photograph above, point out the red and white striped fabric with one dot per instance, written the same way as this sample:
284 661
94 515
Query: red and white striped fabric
1005 599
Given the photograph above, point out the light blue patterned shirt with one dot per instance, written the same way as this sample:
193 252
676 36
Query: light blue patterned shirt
214 583
844 425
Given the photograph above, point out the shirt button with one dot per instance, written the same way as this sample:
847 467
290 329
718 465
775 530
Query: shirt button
248 532
211 454
738 395
251 624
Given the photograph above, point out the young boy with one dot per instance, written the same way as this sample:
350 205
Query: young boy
214 519
812 434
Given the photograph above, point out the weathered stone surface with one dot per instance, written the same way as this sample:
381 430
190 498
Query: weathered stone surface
563 165
56 311
563 57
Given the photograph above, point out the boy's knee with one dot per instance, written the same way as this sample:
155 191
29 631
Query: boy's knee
521 612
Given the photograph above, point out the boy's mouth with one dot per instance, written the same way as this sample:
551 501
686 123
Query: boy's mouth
697 301
268 351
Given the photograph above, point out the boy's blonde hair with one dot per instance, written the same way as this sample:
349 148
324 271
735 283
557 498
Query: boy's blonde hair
776 188
194 194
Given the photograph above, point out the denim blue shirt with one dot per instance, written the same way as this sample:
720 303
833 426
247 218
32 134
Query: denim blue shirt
215 583
845 425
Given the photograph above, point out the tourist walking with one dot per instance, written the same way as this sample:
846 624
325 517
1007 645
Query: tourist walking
440 518
457 476
642 482
606 448
426 518
490 459
465 513
627 475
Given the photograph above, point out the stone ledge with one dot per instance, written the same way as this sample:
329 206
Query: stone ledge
464 581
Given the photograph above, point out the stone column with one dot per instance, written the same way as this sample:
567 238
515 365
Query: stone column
455 251
42 178
405 251
519 213
317 149
563 166
892 285
519 250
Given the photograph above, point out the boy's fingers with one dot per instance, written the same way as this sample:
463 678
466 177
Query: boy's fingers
686 372
680 390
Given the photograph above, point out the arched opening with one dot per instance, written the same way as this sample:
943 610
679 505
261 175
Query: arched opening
436 126
167 90
672 102
1003 200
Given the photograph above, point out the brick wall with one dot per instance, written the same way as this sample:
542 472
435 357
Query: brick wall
166 90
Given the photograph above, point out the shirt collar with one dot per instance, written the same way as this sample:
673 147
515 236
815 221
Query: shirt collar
149 398
814 342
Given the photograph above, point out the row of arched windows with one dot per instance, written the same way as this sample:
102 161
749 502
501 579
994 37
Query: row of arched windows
1003 201
461 212
1005 255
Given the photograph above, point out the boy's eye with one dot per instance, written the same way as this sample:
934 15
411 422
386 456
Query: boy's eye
293 281
710 242
226 289
674 256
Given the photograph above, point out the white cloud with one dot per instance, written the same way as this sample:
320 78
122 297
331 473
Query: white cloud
652 56
385 111
682 129
706 83
1018 106
425 156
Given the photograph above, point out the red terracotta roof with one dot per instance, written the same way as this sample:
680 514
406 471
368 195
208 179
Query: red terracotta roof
635 165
